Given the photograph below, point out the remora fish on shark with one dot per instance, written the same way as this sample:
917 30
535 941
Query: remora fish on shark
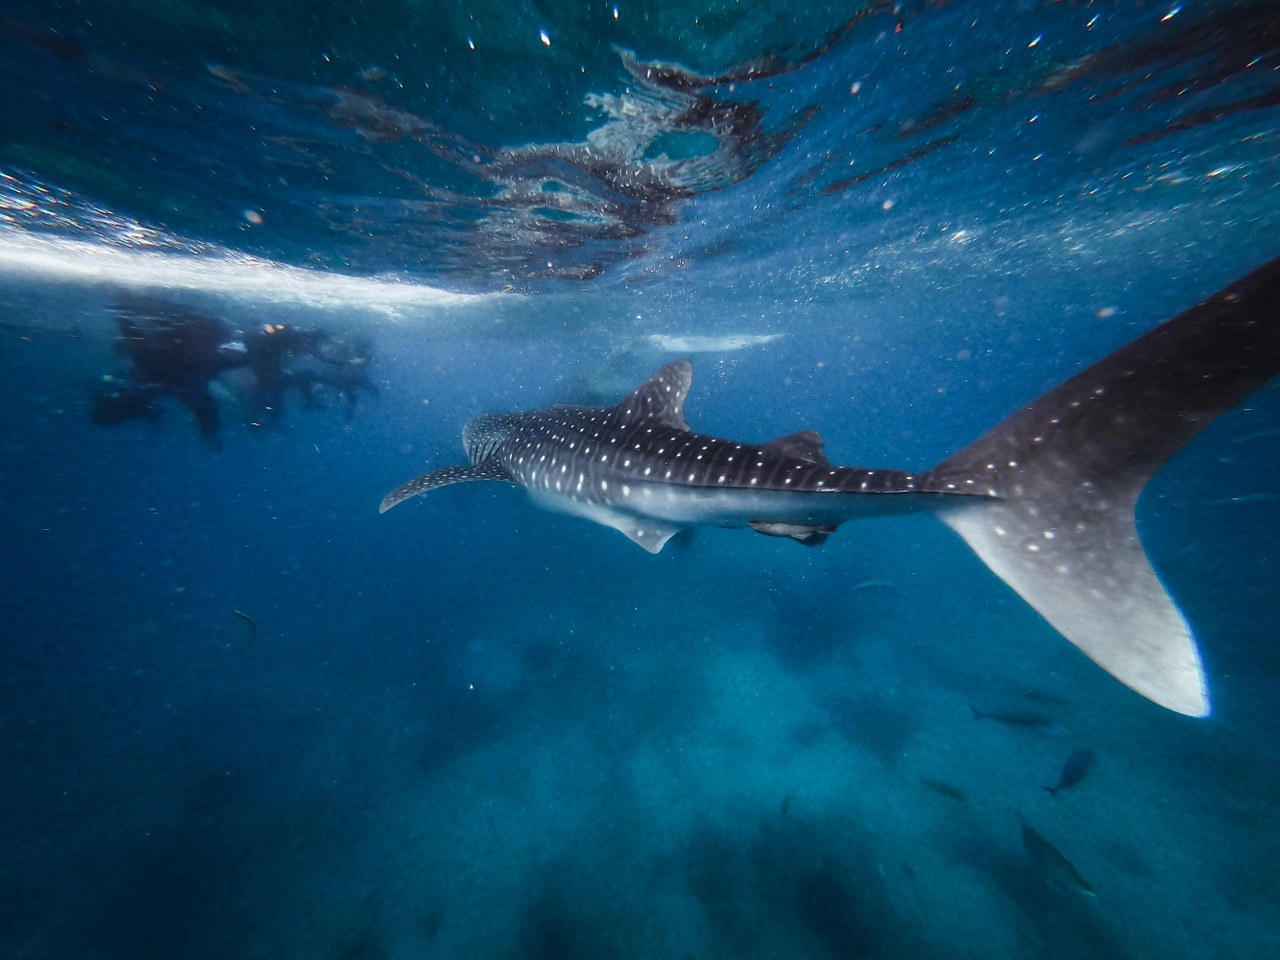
1046 498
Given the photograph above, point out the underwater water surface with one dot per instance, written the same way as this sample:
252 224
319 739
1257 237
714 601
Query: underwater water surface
244 715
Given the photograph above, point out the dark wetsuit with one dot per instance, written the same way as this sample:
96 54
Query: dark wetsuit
170 353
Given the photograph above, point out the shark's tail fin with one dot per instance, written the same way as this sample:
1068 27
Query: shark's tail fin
1062 477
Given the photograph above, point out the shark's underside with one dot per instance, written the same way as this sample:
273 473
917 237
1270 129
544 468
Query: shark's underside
1046 498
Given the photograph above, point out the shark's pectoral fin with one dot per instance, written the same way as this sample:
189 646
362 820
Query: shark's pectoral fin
649 533
810 536
489 470
646 531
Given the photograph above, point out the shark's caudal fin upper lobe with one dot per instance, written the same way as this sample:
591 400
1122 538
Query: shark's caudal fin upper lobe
1066 472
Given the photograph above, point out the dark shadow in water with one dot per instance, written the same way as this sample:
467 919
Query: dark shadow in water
1062 924
803 637
551 680
366 948
459 723
803 628
836 916
798 889
716 875
549 931
873 724
822 616
171 893
571 916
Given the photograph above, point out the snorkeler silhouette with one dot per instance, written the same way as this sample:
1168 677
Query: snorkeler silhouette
277 357
171 352
344 371
312 361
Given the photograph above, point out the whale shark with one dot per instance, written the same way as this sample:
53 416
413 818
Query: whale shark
1046 498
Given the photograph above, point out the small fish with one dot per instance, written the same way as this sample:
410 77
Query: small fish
1052 864
947 790
786 803
1255 437
872 584
253 625
1074 770
1012 719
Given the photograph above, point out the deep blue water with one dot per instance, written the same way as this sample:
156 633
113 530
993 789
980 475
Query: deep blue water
473 728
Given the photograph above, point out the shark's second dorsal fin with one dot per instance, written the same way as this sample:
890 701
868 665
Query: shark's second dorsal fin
661 397
805 445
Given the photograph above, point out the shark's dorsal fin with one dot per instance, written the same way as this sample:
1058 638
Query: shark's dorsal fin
661 397
805 445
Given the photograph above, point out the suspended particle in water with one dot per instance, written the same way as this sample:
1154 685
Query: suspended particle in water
546 40
254 217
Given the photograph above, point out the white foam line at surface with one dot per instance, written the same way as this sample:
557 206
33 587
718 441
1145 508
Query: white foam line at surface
57 258
695 343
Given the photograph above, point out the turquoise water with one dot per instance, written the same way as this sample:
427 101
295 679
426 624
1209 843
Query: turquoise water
474 728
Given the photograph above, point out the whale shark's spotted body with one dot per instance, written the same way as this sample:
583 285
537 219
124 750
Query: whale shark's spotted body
637 467
1046 498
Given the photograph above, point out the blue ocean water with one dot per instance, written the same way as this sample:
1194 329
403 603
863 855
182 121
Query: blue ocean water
243 715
